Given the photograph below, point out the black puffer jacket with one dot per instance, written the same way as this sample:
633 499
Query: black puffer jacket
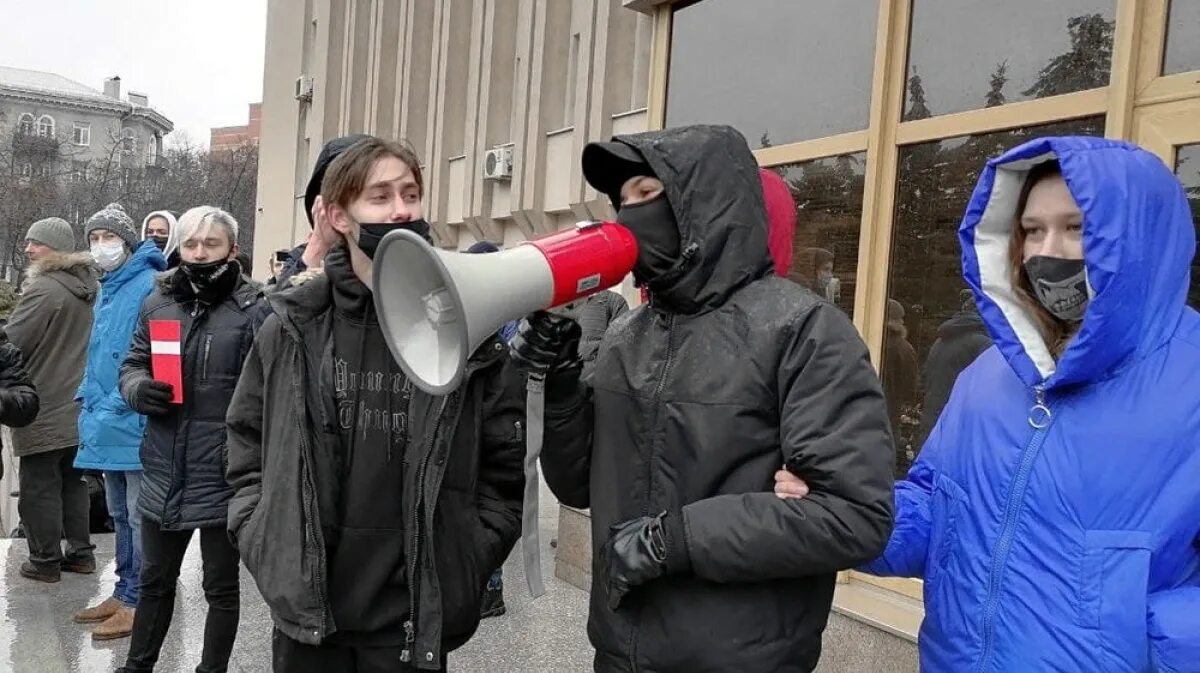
695 402
463 477
18 399
183 452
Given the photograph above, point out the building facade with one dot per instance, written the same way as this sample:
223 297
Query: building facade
533 79
229 138
55 125
878 113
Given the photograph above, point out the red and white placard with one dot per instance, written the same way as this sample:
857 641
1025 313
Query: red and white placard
166 359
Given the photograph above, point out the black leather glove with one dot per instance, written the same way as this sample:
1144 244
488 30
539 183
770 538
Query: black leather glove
641 550
546 344
152 398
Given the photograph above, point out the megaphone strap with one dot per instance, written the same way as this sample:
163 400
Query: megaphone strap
531 550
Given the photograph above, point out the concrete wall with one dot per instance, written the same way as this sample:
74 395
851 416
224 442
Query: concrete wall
455 79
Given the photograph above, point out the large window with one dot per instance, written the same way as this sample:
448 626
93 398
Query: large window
25 124
783 72
970 54
1182 52
829 200
933 330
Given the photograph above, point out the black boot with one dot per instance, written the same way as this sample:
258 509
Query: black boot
493 602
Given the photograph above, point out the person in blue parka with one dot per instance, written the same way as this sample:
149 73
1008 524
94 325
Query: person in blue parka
1054 512
110 433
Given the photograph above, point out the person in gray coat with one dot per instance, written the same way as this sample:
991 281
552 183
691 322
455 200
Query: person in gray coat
51 326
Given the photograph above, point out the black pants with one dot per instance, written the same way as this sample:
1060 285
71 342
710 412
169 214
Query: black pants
54 503
162 556
290 656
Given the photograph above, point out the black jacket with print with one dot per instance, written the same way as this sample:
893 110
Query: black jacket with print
462 477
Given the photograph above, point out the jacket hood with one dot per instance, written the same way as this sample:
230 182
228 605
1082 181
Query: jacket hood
1138 244
173 228
146 257
781 220
711 180
76 272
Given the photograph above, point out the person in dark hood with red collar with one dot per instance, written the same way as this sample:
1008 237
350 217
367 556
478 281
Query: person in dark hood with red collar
696 401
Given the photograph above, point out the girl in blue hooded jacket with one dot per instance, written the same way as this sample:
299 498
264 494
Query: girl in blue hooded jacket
1054 512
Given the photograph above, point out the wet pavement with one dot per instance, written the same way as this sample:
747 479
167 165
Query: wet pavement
38 636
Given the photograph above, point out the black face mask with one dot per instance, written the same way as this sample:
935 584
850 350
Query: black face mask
369 235
653 225
211 282
160 241
1060 285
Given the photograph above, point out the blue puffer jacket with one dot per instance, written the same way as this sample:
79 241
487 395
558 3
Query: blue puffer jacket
1064 537
110 433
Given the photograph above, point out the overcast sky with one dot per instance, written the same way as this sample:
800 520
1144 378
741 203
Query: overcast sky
199 61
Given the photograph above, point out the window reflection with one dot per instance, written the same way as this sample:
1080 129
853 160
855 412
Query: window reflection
829 198
1187 167
768 71
970 54
933 329
1182 53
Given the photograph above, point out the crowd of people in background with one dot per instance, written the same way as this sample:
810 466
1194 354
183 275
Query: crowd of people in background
730 434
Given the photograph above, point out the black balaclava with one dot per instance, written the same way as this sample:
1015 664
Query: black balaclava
211 282
1060 285
369 235
160 242
654 226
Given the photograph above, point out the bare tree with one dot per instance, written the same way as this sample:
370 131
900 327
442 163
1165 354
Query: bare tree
49 177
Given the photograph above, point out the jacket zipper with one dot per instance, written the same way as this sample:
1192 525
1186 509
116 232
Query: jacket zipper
410 635
310 532
1040 418
208 339
662 382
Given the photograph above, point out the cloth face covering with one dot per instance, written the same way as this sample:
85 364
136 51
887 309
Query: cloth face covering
1060 285
370 235
653 225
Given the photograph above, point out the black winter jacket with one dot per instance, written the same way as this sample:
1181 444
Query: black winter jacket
183 452
463 477
18 398
696 400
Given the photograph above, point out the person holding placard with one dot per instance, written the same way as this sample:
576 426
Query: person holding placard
193 335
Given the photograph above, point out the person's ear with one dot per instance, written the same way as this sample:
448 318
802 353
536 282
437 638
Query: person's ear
339 219
233 252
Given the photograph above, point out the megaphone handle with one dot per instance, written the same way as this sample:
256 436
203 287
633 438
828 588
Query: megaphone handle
535 408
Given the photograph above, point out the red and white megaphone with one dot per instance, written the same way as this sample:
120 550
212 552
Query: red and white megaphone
437 307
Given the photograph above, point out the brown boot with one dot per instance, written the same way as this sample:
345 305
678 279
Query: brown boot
98 613
49 575
79 567
120 625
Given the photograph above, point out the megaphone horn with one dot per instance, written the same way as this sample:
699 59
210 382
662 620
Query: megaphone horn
436 307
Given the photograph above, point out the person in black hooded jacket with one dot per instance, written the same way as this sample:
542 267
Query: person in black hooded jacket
369 513
183 452
960 340
696 401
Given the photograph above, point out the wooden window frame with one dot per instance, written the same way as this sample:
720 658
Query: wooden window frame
1136 90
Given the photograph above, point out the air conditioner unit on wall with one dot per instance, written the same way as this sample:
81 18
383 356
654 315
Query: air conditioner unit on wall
304 88
498 164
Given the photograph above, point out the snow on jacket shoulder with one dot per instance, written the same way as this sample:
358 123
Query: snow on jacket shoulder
110 433
1066 539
